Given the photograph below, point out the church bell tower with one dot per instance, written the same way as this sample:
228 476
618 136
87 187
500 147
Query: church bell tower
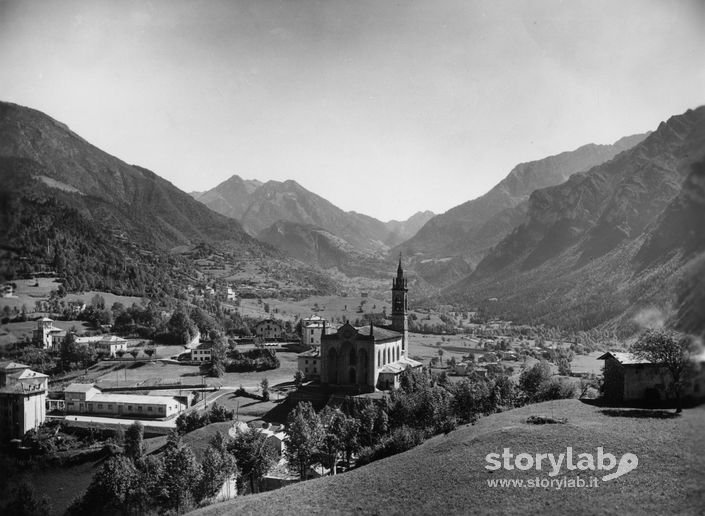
400 321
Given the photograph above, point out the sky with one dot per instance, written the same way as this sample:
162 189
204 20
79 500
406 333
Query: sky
382 107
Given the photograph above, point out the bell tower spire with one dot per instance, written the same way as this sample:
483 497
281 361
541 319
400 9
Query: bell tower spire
400 306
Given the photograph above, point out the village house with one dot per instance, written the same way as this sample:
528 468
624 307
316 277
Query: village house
111 345
311 330
202 352
86 398
309 363
7 290
269 329
23 394
628 378
48 336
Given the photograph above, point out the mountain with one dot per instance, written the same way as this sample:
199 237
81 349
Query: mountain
230 198
72 208
471 229
608 243
128 198
304 224
400 231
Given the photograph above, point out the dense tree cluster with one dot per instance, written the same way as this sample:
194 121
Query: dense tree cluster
258 359
424 405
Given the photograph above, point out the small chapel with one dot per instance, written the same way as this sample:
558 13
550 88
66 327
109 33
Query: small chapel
369 358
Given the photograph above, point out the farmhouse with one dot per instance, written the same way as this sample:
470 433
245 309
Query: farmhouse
23 395
630 378
202 352
86 398
111 345
369 358
269 329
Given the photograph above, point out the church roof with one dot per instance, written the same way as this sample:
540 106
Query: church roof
378 333
400 365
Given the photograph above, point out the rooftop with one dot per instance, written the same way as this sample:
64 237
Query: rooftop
80 387
113 339
11 366
137 399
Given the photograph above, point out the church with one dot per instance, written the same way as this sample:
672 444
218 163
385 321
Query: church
371 357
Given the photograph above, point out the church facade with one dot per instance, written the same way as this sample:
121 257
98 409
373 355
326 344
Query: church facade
369 358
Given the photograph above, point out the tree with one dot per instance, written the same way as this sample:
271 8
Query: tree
218 466
564 366
218 355
134 352
67 349
180 326
134 440
298 379
264 384
111 491
670 349
252 455
25 503
304 437
350 437
120 353
182 476
150 352
532 379
332 443
98 302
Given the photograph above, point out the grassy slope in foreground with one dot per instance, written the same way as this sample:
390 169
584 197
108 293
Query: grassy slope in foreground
447 475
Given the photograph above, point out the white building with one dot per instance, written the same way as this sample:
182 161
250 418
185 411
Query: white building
111 345
309 363
23 394
86 398
48 336
311 330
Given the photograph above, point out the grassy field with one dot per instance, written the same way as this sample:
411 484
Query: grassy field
447 474
20 331
28 294
128 372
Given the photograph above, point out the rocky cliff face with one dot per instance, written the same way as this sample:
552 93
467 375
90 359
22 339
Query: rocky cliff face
471 229
608 240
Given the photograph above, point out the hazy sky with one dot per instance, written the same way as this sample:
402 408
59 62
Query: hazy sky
382 107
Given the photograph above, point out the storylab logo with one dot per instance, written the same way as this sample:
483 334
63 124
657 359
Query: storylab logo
564 462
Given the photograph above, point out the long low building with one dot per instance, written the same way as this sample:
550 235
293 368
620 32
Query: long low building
86 398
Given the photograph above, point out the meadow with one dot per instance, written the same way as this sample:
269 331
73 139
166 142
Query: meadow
447 474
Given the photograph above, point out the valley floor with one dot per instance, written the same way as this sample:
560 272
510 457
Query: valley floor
447 474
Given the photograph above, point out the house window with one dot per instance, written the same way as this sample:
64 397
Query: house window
110 406
149 409
129 407
139 408
161 409
307 361
100 405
